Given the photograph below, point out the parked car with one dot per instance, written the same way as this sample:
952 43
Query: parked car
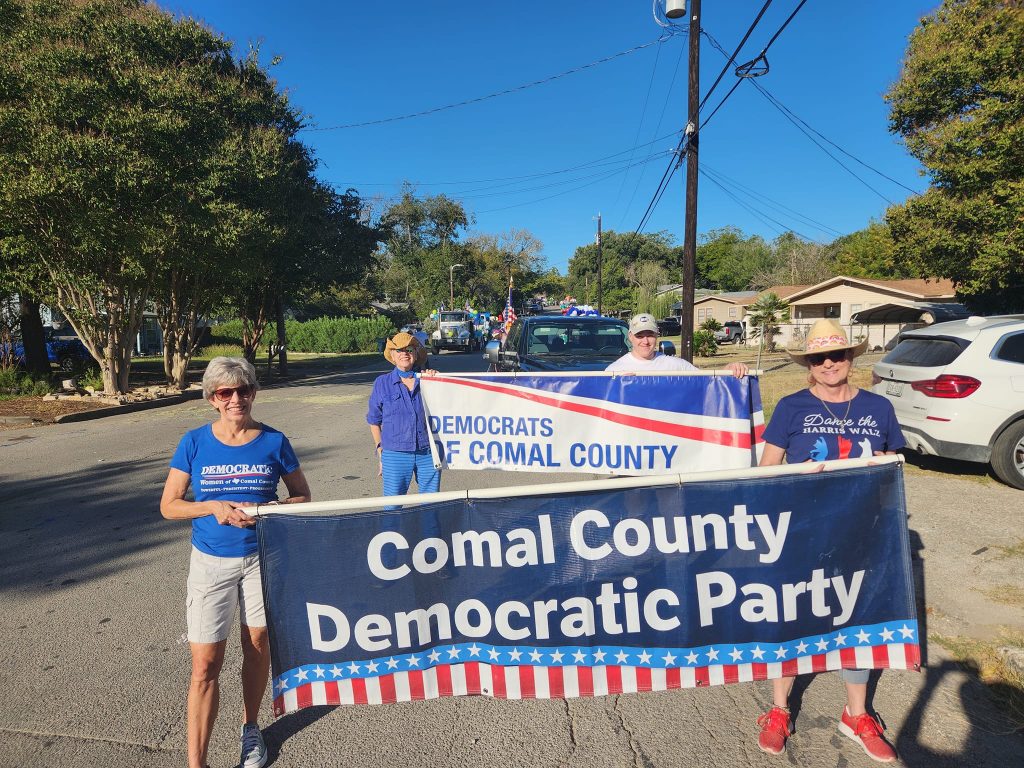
731 332
65 351
559 343
669 326
958 391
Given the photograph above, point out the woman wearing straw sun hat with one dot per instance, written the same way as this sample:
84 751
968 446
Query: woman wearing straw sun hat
397 421
831 419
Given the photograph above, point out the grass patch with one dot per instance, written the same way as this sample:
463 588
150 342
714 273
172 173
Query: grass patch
983 660
1014 550
1005 594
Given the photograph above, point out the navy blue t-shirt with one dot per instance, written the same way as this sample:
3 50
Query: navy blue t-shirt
808 429
222 472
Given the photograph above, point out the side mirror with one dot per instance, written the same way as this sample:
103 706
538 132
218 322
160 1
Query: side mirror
491 350
667 348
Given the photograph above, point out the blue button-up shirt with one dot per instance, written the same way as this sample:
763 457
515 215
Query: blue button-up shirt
399 414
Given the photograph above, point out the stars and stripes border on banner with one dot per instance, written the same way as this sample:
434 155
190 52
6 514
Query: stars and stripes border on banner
398 678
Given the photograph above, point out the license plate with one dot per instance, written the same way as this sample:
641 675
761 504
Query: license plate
894 388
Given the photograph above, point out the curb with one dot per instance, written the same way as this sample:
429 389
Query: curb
15 419
114 410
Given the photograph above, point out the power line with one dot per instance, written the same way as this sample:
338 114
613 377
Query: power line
755 212
663 38
564 192
762 198
661 117
640 125
786 110
676 162
511 179
798 121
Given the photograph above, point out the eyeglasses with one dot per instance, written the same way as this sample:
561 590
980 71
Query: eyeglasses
224 394
404 351
836 356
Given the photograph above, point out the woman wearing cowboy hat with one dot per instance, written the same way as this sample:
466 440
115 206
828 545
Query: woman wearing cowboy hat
831 419
397 422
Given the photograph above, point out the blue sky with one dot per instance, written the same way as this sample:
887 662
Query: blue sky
351 62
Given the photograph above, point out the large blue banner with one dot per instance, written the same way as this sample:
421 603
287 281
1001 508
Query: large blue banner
581 594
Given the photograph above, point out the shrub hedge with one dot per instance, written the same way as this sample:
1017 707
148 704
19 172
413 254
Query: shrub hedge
325 334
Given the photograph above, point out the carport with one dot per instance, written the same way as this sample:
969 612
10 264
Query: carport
900 316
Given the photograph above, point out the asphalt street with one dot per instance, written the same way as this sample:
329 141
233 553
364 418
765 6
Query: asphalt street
95 665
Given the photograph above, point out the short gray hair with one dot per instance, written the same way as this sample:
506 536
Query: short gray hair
229 371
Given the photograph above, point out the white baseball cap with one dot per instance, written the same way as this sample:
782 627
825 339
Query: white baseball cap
643 322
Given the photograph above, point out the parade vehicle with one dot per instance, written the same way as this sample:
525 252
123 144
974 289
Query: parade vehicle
559 343
958 391
455 330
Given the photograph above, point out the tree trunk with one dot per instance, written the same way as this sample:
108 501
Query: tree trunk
36 359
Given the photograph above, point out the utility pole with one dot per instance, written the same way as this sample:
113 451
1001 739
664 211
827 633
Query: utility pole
600 269
690 231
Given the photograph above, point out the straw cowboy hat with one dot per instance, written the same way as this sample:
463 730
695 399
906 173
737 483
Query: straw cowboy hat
827 336
401 341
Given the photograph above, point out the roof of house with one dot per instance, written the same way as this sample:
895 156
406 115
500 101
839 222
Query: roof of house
732 297
916 289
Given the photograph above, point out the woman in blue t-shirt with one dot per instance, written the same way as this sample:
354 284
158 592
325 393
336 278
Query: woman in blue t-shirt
831 419
233 463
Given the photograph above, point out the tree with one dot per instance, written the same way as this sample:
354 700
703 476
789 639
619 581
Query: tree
104 124
959 106
793 262
617 251
728 261
765 315
870 253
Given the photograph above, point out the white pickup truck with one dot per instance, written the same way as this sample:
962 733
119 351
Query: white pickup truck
454 331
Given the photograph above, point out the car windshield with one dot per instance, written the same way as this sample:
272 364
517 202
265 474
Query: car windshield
579 339
453 317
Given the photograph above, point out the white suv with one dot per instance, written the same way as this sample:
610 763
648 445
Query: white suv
958 391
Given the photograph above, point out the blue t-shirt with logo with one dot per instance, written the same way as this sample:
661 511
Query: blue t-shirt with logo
222 472
809 430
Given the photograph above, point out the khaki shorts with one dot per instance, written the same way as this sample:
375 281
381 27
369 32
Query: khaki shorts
216 585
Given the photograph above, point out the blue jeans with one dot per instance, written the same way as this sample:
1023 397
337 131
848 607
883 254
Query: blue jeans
401 466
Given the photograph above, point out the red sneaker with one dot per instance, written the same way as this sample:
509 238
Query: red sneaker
774 731
866 731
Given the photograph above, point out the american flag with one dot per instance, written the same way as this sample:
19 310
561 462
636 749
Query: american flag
510 312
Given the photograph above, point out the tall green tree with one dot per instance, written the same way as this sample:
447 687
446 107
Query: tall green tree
619 250
727 260
959 106
869 252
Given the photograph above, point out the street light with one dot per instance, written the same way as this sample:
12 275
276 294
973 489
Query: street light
451 284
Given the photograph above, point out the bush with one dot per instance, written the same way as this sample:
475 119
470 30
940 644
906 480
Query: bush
711 324
220 350
14 383
325 334
337 334
704 344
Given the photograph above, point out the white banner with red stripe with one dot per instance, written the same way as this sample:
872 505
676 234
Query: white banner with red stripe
595 423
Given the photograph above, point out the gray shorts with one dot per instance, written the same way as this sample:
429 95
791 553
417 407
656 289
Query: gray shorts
216 585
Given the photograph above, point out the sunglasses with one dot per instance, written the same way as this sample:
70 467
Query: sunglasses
836 356
404 351
224 394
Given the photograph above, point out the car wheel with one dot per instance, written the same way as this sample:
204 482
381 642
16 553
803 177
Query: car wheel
1008 456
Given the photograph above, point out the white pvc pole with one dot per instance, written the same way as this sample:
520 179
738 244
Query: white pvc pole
575 487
